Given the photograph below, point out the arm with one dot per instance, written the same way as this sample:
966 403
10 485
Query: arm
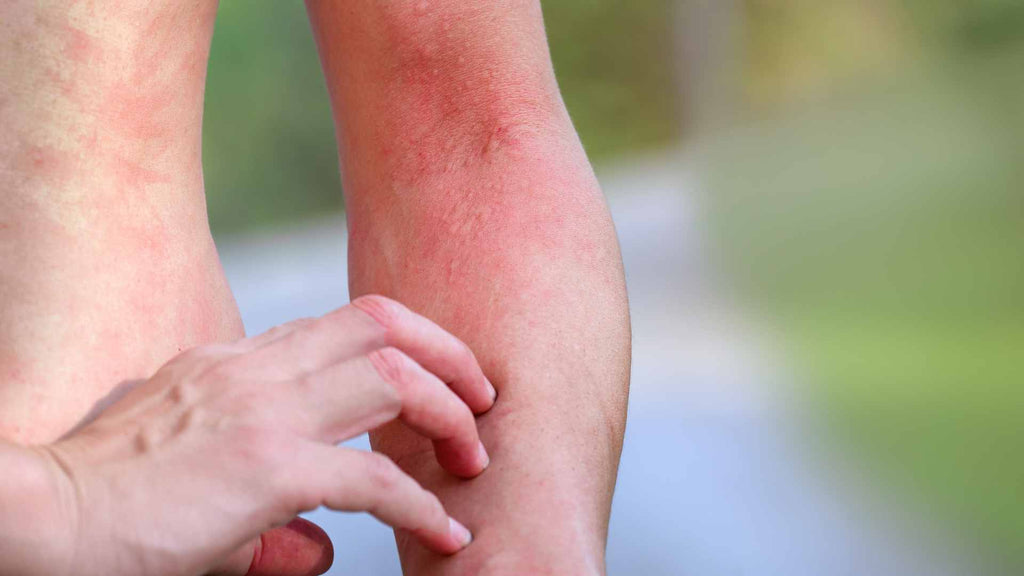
471 200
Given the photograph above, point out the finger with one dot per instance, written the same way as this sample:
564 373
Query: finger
338 402
274 333
299 548
304 346
350 398
433 348
369 323
357 481
430 408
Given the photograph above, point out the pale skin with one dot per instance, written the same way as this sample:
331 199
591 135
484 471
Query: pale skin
228 440
469 197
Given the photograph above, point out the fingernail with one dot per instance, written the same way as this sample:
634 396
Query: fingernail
482 455
491 390
461 534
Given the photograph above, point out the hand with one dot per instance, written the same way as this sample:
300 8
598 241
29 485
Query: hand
225 442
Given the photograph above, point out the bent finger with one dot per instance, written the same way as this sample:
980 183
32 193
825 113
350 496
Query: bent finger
357 481
369 323
433 348
430 408
348 399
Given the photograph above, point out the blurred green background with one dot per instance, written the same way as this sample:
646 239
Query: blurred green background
862 165
867 196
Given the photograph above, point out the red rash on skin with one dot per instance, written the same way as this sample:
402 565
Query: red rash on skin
134 175
137 113
48 164
106 218
447 110
80 47
452 115
471 201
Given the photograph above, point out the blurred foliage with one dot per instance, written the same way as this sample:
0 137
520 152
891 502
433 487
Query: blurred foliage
268 138
883 227
614 60
269 150
799 50
968 24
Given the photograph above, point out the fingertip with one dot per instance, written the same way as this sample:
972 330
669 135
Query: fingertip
491 390
462 460
482 457
451 541
482 403
459 533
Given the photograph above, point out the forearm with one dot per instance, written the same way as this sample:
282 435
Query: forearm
470 200
103 231
99 100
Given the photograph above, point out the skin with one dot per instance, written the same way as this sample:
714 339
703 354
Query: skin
239 438
109 269
470 199
103 231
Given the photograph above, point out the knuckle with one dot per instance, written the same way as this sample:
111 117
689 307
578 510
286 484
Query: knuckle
455 421
433 510
227 371
259 447
394 368
284 330
382 473
198 359
276 332
220 370
465 353
245 406
385 311
307 384
391 364
432 502
459 419
183 392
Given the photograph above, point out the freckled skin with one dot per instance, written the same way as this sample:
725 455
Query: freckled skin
470 199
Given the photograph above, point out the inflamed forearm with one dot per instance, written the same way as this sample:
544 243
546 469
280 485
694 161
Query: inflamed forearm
471 200
107 260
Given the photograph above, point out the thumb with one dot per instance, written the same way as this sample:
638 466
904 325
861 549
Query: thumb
300 548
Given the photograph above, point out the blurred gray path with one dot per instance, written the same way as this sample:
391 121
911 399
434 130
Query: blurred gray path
719 474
